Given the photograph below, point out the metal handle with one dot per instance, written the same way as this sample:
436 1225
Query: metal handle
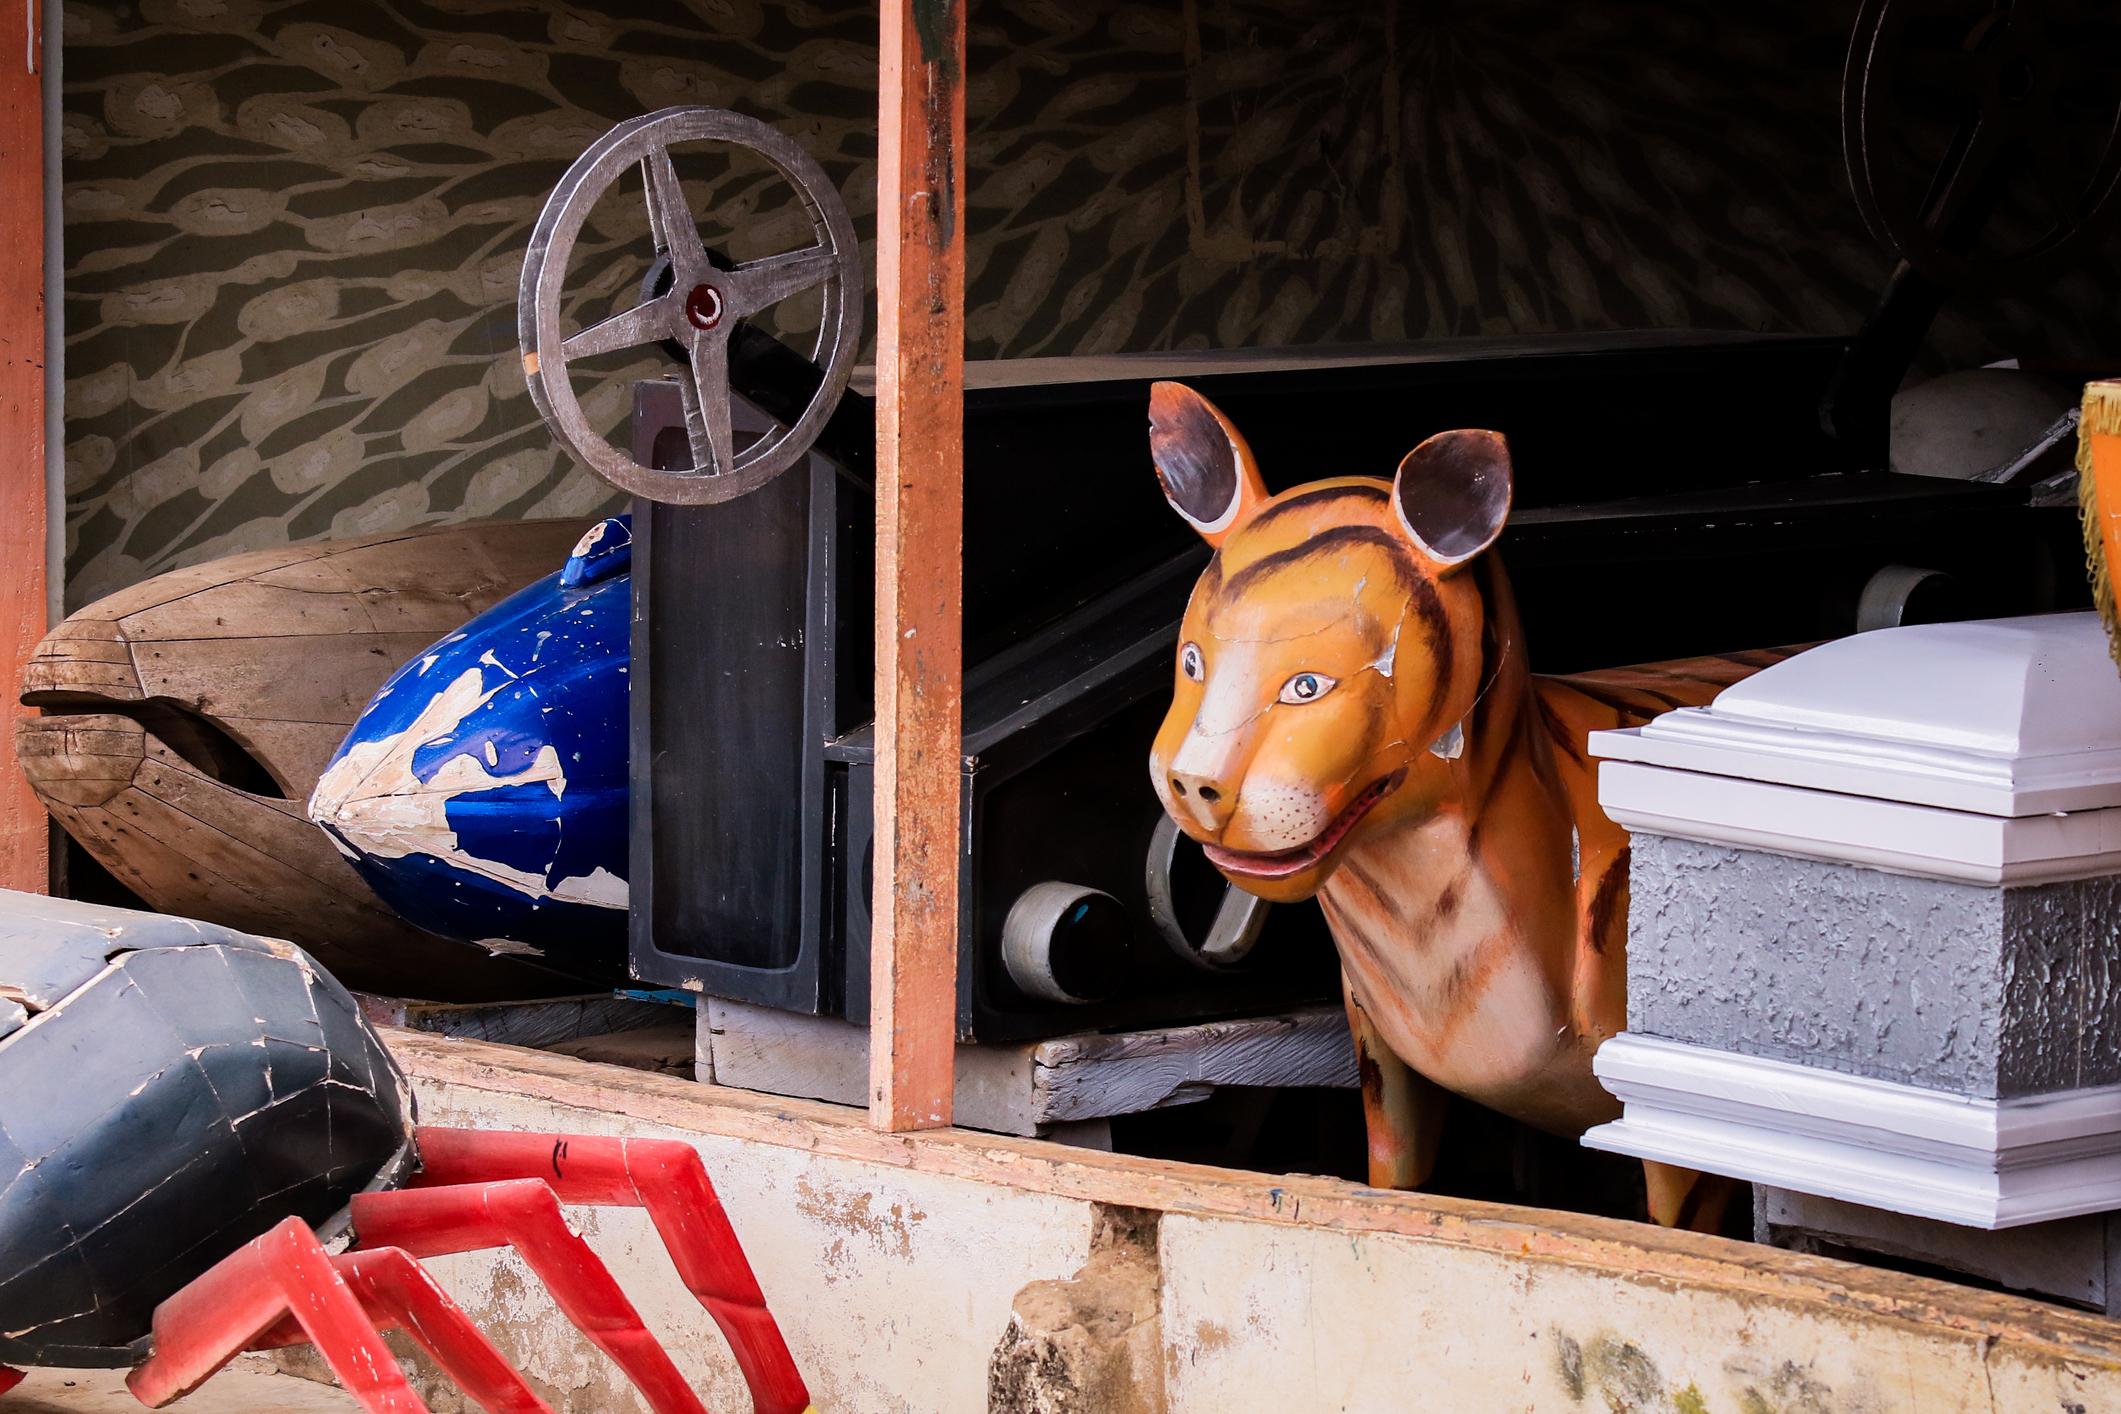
1238 921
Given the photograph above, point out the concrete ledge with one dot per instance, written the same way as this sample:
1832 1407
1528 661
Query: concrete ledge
892 1259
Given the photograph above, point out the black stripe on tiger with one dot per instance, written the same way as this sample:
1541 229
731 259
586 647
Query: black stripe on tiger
1211 578
1559 735
1610 899
1627 700
1420 592
1314 499
1382 899
1697 1197
1496 716
1326 542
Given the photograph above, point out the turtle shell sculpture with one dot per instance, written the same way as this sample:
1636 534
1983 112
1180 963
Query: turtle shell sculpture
169 1090
206 1149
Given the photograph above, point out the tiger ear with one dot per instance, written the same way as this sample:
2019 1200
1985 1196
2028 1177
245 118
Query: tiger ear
1207 471
1452 495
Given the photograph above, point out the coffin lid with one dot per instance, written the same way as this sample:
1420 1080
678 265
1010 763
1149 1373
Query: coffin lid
2011 717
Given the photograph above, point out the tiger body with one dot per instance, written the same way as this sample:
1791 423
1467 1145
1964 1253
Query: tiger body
1487 943
1352 720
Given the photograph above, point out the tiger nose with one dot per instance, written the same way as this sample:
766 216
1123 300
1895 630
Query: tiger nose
1203 800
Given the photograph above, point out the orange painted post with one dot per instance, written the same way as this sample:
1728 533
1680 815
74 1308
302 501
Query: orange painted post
920 468
24 831
2099 496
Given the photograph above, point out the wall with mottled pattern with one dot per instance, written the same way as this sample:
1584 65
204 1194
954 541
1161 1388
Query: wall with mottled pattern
293 227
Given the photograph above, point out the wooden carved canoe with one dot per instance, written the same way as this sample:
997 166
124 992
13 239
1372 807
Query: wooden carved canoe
185 721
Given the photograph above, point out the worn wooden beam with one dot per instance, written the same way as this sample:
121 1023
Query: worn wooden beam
920 427
1030 1087
541 1022
25 833
1541 1244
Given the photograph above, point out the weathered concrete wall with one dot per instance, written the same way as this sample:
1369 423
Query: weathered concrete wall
892 1262
1990 992
1308 1319
891 1287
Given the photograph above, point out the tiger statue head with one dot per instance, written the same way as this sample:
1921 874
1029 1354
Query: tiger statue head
1331 651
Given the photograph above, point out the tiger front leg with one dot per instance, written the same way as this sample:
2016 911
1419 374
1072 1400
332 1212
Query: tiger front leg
1684 1198
1402 1109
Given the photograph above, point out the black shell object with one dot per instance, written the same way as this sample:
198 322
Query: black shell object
168 1091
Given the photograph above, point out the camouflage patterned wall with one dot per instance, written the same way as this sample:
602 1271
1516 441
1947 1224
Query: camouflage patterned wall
294 226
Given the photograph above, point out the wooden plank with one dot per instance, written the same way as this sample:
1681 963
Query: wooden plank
824 1058
302 680
60 670
129 837
421 584
25 831
1088 1077
1541 1240
79 761
175 584
90 641
252 609
540 1023
1029 1089
920 433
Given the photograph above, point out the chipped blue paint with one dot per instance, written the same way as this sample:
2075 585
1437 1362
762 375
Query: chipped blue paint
483 792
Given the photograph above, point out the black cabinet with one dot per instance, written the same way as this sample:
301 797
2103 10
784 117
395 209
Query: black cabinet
1675 495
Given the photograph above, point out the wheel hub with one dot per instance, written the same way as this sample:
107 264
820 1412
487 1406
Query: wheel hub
703 307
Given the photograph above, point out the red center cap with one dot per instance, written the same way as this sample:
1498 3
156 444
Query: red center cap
703 307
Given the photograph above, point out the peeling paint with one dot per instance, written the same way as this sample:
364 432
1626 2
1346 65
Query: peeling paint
371 799
483 793
890 1229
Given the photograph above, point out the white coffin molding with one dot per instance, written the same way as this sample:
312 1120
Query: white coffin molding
1999 717
1978 1163
1924 840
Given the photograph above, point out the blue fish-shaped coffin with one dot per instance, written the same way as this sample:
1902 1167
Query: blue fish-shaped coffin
482 794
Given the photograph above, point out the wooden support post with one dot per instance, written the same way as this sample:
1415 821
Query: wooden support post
920 443
24 830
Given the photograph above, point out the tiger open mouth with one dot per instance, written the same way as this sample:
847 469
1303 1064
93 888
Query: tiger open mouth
1286 863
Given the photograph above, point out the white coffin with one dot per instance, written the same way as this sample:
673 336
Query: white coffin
1984 754
1988 752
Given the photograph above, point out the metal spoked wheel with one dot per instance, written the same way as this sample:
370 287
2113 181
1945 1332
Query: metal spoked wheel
1983 137
701 308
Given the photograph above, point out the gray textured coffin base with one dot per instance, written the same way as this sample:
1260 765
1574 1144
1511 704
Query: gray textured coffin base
1985 992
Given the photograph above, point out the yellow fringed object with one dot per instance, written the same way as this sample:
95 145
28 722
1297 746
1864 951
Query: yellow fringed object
2099 485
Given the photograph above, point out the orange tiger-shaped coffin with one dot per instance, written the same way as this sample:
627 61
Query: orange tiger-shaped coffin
1353 721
